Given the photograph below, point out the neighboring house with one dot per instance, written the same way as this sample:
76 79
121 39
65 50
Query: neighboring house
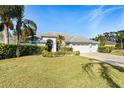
78 43
110 43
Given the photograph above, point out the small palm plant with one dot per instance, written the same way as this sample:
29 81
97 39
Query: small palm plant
60 39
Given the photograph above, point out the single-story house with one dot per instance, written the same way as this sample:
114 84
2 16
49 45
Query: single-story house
110 43
78 43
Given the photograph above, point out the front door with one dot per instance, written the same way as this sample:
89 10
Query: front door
49 45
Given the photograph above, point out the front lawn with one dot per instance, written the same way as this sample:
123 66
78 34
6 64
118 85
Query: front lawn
118 52
68 71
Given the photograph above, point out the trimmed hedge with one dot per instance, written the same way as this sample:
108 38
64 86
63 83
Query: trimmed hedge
105 49
9 50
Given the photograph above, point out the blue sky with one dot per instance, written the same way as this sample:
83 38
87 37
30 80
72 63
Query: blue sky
83 20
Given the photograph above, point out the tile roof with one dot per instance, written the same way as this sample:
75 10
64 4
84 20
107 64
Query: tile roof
69 38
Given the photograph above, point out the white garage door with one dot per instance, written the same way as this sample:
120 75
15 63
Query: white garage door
86 48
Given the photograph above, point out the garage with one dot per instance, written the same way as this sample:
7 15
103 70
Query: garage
85 48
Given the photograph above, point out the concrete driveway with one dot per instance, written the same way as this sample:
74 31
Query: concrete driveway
107 58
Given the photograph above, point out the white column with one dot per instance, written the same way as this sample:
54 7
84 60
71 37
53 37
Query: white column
54 45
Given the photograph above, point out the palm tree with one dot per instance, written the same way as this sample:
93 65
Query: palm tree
9 25
28 29
24 29
60 39
6 14
18 12
15 11
25 34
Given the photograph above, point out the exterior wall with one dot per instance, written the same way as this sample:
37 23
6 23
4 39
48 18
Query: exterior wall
85 48
54 42
94 48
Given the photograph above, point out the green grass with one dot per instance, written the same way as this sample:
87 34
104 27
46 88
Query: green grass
63 72
119 53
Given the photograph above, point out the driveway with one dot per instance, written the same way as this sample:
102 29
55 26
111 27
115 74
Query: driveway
107 58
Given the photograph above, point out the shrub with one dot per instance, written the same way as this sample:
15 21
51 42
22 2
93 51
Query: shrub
50 54
77 53
118 46
9 50
66 50
105 49
68 53
45 53
30 50
69 49
59 53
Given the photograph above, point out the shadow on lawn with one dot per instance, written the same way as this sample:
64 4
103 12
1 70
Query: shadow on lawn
103 72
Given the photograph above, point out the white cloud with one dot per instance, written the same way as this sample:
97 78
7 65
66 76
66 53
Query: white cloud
97 18
96 13
101 13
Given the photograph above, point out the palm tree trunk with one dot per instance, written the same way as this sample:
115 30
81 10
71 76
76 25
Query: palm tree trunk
18 37
18 44
7 35
32 37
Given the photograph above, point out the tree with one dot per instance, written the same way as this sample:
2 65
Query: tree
25 34
29 29
117 37
106 34
19 11
102 40
121 37
15 11
6 14
60 39
15 36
